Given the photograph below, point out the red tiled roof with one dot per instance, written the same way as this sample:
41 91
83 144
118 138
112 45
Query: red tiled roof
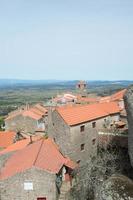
6 138
36 112
65 98
43 154
41 108
118 95
16 146
73 115
105 99
114 97
31 114
88 99
20 144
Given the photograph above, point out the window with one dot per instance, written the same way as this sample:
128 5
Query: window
82 128
94 141
93 124
78 161
82 147
41 198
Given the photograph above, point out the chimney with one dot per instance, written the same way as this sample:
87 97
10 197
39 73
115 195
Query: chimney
27 106
31 141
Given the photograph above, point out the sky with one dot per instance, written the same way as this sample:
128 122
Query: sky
66 39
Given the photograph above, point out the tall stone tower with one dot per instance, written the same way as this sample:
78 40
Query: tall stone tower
81 87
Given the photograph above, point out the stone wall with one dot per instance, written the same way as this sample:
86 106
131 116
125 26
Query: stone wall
43 186
106 139
129 108
20 123
59 131
70 139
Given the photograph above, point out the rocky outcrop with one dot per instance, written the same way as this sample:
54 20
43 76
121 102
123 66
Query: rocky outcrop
117 187
128 98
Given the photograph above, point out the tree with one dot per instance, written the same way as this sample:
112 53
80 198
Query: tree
2 123
92 175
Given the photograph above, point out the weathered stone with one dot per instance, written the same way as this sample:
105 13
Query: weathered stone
43 186
129 108
117 187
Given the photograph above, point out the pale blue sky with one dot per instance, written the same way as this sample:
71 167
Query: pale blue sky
66 39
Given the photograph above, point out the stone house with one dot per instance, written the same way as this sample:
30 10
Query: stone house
63 99
28 120
35 172
75 128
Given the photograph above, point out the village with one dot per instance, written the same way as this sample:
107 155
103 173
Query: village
42 146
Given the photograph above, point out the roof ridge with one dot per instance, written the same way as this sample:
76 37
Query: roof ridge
38 152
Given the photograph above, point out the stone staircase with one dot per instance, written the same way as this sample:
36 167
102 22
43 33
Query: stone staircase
63 190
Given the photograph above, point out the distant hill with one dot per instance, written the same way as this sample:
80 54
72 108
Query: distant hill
4 83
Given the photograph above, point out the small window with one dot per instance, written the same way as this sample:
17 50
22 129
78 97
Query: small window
82 147
82 128
94 141
93 124
53 124
105 120
78 161
41 198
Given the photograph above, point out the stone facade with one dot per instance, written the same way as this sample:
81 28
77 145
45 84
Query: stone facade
109 139
70 139
78 144
23 123
43 186
129 108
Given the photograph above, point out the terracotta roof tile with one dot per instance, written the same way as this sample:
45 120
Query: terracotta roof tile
43 154
29 113
35 112
118 95
41 108
114 97
15 146
88 99
6 138
73 115
20 144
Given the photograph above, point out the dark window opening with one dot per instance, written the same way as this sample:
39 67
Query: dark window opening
82 147
82 128
78 161
93 124
94 141
41 198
